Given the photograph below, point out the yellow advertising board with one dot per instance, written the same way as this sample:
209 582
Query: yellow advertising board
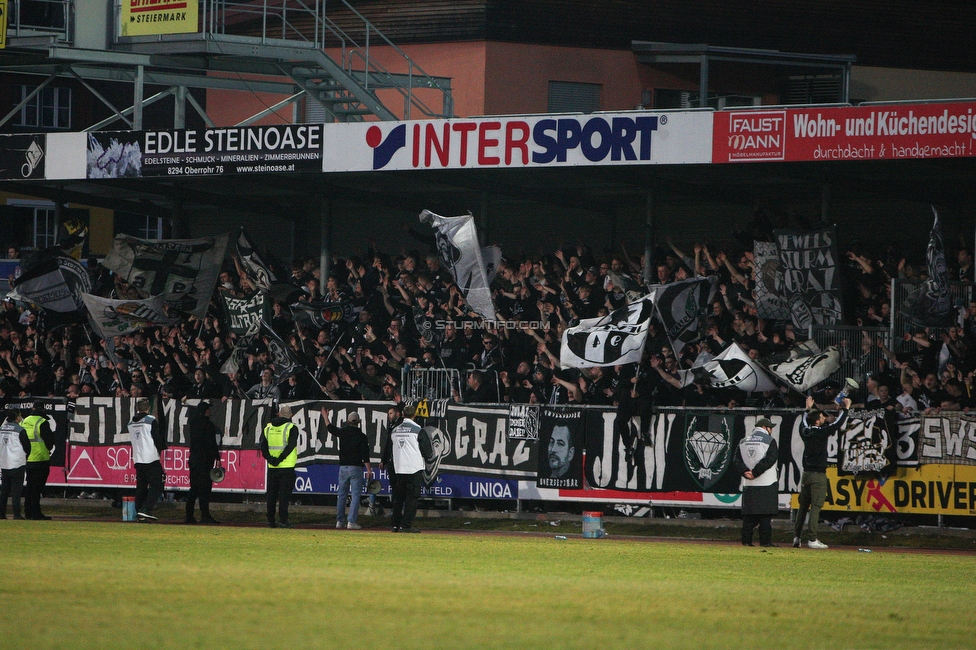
3 23
152 17
925 490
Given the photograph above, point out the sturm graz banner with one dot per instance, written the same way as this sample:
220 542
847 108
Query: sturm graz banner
560 445
811 284
103 421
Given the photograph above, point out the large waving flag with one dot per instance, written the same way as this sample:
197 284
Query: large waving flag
113 317
930 305
183 272
460 252
807 366
611 340
54 283
731 369
682 307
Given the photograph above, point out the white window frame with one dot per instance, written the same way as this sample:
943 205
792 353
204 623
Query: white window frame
48 109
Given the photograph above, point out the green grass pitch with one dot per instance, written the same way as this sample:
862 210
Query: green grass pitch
113 585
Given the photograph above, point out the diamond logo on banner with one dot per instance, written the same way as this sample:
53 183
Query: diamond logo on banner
707 453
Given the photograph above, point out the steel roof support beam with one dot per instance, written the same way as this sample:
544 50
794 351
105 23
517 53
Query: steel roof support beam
99 96
146 102
27 99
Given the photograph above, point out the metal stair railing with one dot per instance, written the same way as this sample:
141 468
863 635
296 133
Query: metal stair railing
305 24
36 17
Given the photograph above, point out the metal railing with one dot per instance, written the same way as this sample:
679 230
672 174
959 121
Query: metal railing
35 17
430 383
860 353
306 23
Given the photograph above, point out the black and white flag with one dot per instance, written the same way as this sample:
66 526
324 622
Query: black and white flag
257 270
770 301
54 283
731 369
460 252
244 315
807 366
930 305
183 272
610 340
113 317
682 306
284 360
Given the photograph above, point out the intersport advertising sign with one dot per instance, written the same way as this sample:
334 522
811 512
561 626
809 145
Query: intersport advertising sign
888 132
633 138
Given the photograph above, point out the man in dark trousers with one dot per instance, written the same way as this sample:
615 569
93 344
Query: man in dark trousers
38 462
14 448
353 456
815 431
148 442
279 446
406 448
204 456
757 463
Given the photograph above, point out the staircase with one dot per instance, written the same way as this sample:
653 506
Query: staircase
334 67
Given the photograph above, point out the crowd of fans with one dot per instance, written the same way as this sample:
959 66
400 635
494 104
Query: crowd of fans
414 316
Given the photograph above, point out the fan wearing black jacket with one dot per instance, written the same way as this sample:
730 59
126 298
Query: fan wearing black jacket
204 456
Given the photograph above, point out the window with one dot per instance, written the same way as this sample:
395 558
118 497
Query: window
48 109
572 97
667 98
140 225
813 89
45 228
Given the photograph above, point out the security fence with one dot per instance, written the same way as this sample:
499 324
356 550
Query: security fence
904 292
860 353
430 383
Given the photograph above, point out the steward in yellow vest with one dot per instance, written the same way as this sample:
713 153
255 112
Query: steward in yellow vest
38 461
279 446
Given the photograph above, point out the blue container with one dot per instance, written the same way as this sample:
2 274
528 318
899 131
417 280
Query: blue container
128 508
593 525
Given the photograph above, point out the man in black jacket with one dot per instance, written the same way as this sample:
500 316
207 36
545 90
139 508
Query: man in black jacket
353 456
813 485
204 455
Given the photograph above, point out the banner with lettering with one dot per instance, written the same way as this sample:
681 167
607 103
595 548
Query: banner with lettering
151 17
926 490
811 284
854 133
205 152
244 315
